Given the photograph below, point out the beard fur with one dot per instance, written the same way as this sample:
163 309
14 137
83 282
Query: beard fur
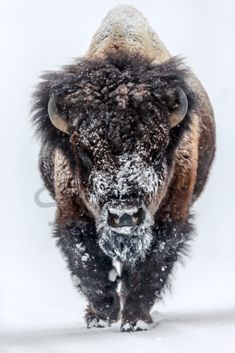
126 248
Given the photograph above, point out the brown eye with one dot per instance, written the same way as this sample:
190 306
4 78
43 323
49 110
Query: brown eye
86 162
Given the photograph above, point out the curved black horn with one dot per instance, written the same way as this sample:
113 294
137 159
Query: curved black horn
180 108
56 118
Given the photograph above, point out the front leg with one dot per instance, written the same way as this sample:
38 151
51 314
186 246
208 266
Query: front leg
145 283
91 270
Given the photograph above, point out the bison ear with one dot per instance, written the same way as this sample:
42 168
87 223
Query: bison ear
57 119
176 100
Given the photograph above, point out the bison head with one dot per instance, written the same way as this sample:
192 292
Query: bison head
122 118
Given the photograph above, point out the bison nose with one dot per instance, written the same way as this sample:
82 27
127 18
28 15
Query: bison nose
125 218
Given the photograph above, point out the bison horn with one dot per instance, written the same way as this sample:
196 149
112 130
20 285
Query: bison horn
178 102
56 118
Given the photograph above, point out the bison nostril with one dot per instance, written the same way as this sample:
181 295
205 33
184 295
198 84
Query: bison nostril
135 219
138 217
126 219
113 220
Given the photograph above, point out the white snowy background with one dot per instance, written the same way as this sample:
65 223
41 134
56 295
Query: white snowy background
40 310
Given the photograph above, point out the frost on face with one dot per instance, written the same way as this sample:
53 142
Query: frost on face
134 171
127 182
133 176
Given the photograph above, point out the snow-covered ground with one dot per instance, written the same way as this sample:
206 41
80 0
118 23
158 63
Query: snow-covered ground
194 332
40 311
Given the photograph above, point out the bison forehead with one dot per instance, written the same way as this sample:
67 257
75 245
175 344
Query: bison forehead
119 94
122 113
121 132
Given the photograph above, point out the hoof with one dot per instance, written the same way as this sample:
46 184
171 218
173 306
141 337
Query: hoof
134 326
92 320
97 323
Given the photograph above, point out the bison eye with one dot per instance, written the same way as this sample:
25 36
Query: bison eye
85 161
157 157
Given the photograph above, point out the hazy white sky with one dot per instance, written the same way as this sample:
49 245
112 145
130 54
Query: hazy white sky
42 35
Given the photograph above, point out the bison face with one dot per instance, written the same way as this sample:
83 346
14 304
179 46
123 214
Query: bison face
122 191
120 130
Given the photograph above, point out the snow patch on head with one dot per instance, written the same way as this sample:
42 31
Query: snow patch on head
132 175
134 171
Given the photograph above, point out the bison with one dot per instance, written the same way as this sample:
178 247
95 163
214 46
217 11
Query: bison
127 140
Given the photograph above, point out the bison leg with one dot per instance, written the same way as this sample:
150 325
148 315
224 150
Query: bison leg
143 286
90 269
145 283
